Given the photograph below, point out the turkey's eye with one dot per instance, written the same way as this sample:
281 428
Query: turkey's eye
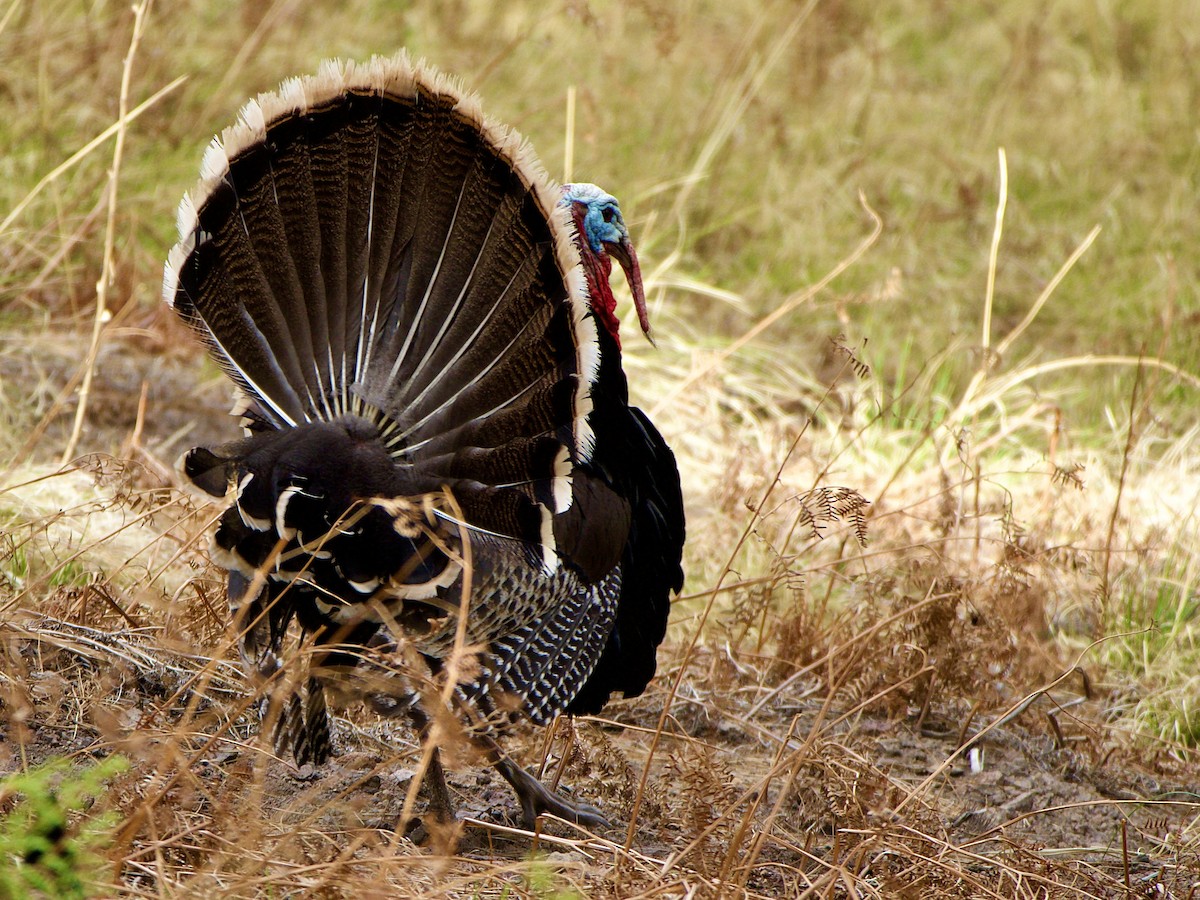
607 213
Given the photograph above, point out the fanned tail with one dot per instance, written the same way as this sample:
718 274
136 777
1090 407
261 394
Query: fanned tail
364 242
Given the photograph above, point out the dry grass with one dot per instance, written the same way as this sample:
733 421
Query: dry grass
980 682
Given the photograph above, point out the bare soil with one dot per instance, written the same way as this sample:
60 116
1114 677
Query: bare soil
769 778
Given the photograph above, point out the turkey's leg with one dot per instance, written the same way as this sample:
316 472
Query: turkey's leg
437 794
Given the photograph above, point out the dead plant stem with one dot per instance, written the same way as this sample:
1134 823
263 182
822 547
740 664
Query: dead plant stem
140 10
1131 438
985 342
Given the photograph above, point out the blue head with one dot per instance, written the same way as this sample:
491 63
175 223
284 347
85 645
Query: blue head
602 230
602 222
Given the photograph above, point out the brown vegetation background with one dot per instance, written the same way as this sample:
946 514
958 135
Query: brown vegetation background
924 283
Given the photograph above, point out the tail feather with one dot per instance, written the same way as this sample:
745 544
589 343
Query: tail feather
261 236
487 375
484 277
360 144
232 307
405 148
328 166
456 269
431 193
544 402
297 206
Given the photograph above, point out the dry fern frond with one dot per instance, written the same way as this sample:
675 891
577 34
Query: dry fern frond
707 797
823 505
1069 476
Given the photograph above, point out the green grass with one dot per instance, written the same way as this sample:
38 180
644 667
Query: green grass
47 848
1096 107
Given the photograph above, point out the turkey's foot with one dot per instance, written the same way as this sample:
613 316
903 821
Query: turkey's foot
536 799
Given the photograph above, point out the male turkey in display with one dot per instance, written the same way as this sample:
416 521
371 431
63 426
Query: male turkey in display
425 344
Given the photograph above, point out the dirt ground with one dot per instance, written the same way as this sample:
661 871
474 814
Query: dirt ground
1071 811
764 779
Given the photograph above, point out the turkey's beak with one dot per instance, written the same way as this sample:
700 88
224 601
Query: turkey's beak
623 253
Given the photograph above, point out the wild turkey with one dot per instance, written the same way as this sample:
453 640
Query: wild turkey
424 339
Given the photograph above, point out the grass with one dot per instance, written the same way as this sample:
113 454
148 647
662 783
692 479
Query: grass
814 192
52 857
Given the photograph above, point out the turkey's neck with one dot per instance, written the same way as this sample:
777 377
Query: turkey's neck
597 267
